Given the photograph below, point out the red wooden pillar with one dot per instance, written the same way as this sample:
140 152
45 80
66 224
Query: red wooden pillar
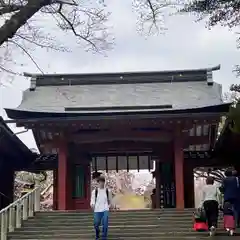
88 185
63 178
179 169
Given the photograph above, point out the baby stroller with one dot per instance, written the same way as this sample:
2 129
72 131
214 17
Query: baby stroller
200 221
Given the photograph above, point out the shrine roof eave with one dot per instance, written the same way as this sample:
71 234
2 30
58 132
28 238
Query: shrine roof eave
34 116
21 155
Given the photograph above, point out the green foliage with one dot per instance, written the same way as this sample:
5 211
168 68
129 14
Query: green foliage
234 111
235 88
234 117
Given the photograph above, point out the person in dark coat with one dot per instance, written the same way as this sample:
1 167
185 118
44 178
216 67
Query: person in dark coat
153 198
237 205
230 189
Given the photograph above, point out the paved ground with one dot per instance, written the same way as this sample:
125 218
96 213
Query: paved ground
223 236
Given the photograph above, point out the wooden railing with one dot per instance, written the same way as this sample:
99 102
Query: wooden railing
20 210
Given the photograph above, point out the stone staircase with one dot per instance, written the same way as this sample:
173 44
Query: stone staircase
124 225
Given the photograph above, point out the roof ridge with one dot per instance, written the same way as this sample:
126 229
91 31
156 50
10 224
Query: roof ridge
194 75
217 67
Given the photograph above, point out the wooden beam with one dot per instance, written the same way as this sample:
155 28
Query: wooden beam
38 123
109 136
69 127
127 146
123 135
196 140
168 123
110 146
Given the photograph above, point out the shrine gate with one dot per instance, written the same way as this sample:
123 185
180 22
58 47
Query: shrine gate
114 121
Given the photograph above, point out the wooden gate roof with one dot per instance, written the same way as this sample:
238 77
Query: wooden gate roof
13 150
108 93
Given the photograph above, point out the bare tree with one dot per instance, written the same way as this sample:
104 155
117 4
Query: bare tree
117 181
217 12
150 15
202 172
23 24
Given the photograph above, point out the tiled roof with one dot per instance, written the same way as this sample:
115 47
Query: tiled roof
181 95
167 90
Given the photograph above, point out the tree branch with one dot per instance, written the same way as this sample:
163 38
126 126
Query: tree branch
42 42
9 9
152 10
28 54
74 31
11 26
151 15
9 71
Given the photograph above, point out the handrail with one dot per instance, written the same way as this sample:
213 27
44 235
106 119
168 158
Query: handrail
18 211
18 200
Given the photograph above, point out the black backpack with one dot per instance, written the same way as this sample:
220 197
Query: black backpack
96 194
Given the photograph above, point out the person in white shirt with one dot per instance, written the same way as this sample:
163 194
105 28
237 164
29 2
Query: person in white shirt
210 203
101 202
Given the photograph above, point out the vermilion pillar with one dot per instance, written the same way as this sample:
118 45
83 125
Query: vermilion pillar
179 169
62 175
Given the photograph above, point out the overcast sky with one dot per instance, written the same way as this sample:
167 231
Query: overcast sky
184 45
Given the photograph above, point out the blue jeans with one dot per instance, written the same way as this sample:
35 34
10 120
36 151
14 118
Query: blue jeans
101 217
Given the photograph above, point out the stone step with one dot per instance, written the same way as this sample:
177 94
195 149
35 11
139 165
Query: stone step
90 219
168 210
116 217
112 221
133 238
139 228
111 225
143 238
120 234
115 221
120 223
118 213
113 217
124 225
